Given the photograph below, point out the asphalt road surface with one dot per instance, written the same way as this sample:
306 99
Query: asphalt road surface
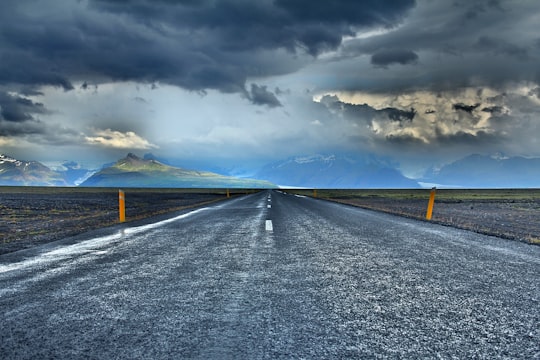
273 276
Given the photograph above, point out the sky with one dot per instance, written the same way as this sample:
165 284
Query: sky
235 84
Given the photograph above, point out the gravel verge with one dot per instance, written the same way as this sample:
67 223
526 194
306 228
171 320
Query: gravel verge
33 216
30 216
515 219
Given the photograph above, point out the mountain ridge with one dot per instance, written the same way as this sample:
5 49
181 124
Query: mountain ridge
133 171
315 171
488 171
14 172
336 171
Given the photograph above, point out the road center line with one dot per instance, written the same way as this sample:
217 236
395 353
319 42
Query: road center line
269 226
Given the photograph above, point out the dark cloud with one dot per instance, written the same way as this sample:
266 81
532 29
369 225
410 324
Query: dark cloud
404 140
319 25
368 13
330 100
27 91
19 109
450 143
19 117
535 92
17 129
497 110
365 112
467 108
399 115
259 95
479 139
36 132
495 47
353 112
248 25
196 45
498 46
394 56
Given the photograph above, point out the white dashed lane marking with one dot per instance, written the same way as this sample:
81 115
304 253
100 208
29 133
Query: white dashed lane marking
269 226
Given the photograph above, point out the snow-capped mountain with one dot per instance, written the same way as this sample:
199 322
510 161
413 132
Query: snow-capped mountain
335 171
14 172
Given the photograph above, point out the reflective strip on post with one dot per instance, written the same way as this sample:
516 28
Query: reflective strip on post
121 206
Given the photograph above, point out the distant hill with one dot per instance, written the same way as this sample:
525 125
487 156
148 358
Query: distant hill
335 171
15 172
133 171
481 171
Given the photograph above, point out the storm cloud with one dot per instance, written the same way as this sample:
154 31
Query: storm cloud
243 79
455 43
440 122
197 45
259 95
467 108
17 109
394 56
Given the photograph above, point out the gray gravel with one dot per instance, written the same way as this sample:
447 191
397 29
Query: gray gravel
329 281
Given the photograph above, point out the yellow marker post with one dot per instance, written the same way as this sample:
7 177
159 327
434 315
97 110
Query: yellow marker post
228 194
122 206
314 192
430 204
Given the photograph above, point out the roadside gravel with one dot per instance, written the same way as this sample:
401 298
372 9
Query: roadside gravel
509 219
33 216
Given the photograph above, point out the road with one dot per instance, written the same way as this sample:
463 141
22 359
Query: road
269 276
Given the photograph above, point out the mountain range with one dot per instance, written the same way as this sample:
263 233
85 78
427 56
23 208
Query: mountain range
482 171
336 172
133 171
15 172
313 171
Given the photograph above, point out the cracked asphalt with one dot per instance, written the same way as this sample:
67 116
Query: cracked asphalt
269 276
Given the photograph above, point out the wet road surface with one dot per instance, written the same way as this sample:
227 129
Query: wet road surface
272 275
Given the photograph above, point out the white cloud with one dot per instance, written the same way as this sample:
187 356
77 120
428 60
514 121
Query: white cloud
119 140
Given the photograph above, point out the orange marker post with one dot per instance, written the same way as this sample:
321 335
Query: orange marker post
430 204
122 206
314 192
